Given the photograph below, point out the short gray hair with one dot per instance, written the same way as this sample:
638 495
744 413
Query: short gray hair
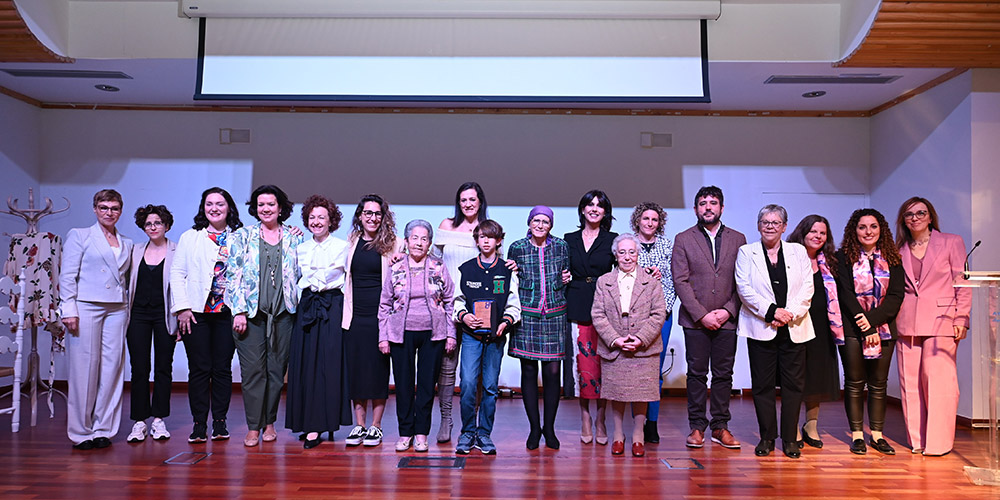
415 223
771 209
622 237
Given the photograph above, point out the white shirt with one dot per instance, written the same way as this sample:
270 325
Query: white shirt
626 282
323 265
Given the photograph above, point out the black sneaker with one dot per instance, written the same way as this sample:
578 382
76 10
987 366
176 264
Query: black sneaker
219 431
198 433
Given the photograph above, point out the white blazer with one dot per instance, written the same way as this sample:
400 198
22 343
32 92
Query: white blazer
754 287
138 253
90 272
192 271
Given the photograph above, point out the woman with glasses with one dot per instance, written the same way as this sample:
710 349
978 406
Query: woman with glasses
150 323
543 263
934 317
775 283
373 245
93 294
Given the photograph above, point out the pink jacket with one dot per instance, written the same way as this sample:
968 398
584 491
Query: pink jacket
932 304
395 301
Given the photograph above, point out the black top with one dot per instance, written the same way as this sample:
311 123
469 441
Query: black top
488 284
779 284
880 315
586 267
366 279
149 286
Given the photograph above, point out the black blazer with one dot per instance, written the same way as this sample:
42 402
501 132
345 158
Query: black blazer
586 267
849 305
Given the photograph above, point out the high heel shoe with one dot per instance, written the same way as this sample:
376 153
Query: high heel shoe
534 436
598 437
551 441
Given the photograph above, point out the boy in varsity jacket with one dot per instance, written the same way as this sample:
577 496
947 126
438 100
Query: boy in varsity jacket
487 306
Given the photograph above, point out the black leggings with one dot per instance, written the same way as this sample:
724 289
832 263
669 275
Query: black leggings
529 391
858 372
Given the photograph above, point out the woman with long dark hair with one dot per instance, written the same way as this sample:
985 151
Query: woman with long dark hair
198 286
822 382
373 243
590 257
871 289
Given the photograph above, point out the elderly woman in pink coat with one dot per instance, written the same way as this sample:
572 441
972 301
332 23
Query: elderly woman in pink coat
628 313
933 318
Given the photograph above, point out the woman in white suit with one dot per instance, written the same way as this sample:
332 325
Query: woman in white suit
150 325
774 281
93 292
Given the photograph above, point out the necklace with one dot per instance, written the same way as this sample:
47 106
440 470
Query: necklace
920 243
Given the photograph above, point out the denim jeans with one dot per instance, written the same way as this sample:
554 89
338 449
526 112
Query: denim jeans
480 359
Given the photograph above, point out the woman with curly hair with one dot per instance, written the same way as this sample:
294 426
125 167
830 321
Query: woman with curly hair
373 244
655 250
151 326
317 397
871 289
822 380
262 276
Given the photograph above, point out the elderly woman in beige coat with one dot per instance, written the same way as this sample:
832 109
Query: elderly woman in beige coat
628 313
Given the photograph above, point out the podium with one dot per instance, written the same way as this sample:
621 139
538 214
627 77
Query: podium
986 315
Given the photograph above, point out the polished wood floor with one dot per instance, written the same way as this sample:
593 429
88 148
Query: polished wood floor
39 463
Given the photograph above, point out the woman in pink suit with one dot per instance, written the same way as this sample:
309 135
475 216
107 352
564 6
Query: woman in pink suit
933 318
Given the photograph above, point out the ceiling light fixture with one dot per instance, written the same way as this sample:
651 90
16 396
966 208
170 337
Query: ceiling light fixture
815 93
107 88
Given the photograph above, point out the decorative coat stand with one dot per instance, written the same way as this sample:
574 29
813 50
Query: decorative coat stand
986 299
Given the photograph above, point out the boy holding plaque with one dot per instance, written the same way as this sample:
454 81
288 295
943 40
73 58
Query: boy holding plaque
487 306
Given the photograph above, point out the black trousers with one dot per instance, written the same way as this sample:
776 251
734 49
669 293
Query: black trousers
704 349
210 349
781 357
147 329
859 372
417 361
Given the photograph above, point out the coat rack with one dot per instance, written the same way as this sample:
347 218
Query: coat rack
33 381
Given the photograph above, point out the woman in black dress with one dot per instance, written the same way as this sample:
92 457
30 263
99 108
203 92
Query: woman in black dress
373 244
317 368
589 258
822 372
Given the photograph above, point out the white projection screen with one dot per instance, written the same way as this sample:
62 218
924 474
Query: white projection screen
453 60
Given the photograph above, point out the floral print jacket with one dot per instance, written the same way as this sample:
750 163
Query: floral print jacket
396 300
243 270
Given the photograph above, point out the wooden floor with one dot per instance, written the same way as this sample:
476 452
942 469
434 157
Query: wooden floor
39 463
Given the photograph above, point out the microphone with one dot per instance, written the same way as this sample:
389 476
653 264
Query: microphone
974 247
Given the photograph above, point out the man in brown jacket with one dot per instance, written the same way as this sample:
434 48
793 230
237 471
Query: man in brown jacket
704 270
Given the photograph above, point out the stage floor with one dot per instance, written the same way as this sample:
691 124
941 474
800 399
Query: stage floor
39 463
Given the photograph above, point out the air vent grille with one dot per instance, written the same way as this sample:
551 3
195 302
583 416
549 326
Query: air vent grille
823 80
67 73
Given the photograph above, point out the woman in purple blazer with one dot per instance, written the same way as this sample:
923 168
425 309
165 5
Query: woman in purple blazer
933 318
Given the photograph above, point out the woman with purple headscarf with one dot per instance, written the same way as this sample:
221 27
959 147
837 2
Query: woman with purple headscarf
543 270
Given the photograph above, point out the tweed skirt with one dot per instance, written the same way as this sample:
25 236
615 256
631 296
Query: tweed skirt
631 379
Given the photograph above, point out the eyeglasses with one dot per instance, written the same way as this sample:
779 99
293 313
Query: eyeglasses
154 224
771 223
368 214
919 214
627 252
105 209
540 222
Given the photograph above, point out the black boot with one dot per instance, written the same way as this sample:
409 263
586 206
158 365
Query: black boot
650 433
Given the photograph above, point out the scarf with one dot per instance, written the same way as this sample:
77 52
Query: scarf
832 302
870 285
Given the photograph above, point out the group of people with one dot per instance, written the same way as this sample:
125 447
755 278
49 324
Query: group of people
332 314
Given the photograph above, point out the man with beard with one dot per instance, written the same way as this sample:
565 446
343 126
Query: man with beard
704 270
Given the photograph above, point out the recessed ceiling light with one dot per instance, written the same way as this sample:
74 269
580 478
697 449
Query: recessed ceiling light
815 93
107 88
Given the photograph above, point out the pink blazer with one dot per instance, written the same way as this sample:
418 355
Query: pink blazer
932 304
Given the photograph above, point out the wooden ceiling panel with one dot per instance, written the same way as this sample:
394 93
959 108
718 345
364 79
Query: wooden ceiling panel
931 33
17 43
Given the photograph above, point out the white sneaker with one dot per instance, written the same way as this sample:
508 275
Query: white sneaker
356 436
138 433
374 436
159 430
